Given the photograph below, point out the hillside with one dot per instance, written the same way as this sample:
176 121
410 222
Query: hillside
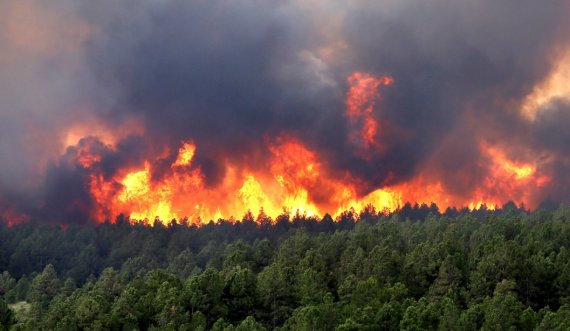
507 268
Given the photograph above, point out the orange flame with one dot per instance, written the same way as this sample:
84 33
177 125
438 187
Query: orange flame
297 183
502 164
295 180
185 155
360 102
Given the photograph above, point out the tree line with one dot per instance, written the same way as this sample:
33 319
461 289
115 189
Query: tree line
415 269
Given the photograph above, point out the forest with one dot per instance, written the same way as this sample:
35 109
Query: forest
413 269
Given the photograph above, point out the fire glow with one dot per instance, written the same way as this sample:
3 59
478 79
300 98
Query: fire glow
303 107
360 104
294 180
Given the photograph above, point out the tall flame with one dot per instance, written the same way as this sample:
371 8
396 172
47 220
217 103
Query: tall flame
297 180
293 178
360 102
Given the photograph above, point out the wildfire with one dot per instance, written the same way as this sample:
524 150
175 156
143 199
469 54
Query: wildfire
185 155
360 103
295 185
252 195
293 179
181 192
146 199
509 168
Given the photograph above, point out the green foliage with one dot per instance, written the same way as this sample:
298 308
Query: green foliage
415 270
7 318
250 324
43 290
7 286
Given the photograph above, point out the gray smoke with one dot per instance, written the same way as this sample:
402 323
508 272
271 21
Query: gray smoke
232 76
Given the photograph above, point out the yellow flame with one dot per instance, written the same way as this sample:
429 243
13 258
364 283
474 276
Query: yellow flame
299 203
150 203
477 205
520 172
253 197
135 185
185 154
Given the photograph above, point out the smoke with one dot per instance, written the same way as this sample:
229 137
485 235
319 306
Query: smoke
130 80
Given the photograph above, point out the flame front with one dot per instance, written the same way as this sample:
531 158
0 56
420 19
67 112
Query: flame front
295 185
293 179
321 108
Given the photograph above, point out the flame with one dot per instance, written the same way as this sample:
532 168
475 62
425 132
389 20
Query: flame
294 179
381 199
86 158
360 103
185 154
252 195
510 168
149 200
145 201
182 193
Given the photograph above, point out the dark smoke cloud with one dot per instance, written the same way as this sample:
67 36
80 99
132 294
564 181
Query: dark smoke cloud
232 76
455 62
551 128
551 135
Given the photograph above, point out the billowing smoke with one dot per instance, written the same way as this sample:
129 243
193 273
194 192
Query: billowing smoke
91 91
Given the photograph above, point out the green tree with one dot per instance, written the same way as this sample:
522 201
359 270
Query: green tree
504 310
43 289
556 321
250 324
90 313
275 293
240 292
183 265
61 313
448 281
422 315
204 293
6 316
7 285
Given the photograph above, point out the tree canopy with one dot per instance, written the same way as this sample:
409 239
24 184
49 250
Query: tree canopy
417 269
